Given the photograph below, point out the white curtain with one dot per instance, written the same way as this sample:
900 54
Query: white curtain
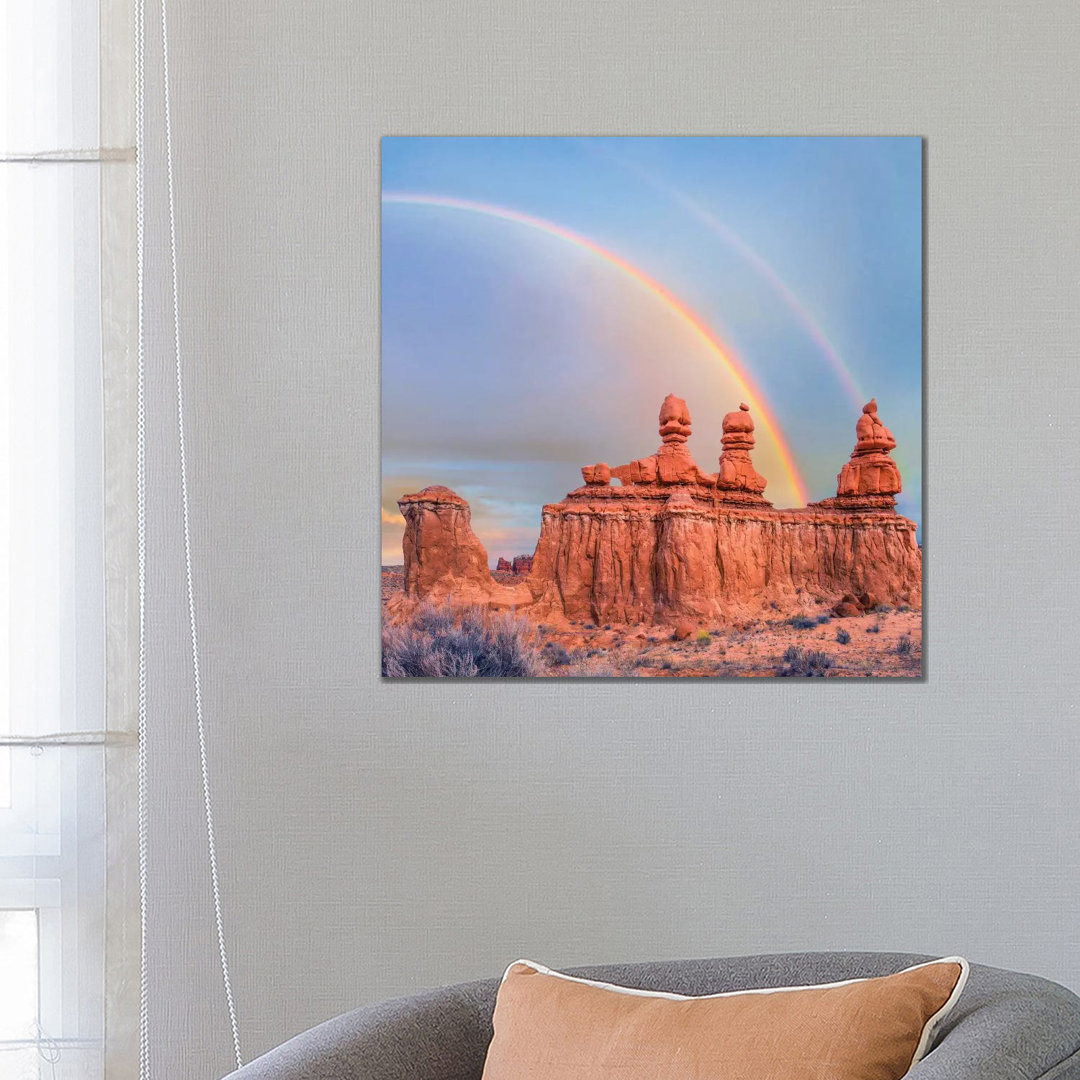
52 544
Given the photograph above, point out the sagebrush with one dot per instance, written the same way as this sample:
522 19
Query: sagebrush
459 644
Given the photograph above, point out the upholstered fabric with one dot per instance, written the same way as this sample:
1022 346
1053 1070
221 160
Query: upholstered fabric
1006 1026
553 1026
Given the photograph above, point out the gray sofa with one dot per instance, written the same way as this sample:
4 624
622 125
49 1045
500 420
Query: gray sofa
1005 1026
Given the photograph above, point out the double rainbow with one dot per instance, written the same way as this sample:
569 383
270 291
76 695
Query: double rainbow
724 355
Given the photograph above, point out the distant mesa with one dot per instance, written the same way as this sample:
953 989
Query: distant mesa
521 565
671 542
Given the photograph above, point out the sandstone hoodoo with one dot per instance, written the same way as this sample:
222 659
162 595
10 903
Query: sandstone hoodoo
870 478
444 559
671 464
737 474
673 543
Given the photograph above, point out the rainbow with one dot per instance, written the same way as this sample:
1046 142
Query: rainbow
723 354
794 304
734 241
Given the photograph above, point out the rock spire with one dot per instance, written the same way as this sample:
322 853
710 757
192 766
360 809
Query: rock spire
870 478
737 473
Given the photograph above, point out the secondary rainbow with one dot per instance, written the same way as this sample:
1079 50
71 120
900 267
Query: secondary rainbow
737 244
722 352
794 304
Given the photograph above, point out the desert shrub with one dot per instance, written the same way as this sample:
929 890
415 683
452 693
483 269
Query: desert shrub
804 664
875 629
433 620
595 668
903 608
554 654
842 636
703 638
904 646
607 626
667 665
883 609
443 643
802 622
823 619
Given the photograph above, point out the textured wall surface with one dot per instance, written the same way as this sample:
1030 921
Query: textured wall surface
375 839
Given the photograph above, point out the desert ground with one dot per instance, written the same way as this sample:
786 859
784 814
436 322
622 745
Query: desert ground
884 643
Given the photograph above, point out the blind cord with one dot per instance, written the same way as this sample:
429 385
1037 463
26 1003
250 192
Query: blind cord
182 448
140 470
143 814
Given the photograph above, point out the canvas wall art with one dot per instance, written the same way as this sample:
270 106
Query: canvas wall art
652 407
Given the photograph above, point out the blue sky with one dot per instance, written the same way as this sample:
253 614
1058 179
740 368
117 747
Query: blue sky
511 357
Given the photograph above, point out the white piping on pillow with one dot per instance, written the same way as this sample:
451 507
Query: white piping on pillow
921 1050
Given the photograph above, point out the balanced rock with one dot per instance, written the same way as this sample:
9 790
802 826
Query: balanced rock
598 475
737 473
870 479
673 462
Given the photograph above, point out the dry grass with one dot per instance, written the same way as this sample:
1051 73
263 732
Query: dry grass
462 644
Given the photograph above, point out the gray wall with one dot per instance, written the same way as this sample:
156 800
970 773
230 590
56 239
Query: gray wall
375 839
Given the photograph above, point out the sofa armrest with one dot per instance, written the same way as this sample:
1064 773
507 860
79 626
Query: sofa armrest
437 1035
1007 1026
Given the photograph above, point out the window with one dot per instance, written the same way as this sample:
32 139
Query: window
52 854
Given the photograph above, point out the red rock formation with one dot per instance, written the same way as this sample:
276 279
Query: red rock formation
850 605
596 474
673 544
671 464
504 565
870 478
522 564
444 559
737 473
630 559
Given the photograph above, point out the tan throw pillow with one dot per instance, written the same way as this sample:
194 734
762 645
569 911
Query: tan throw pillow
550 1026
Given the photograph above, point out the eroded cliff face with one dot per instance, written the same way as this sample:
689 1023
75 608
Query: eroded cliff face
444 559
692 546
632 559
